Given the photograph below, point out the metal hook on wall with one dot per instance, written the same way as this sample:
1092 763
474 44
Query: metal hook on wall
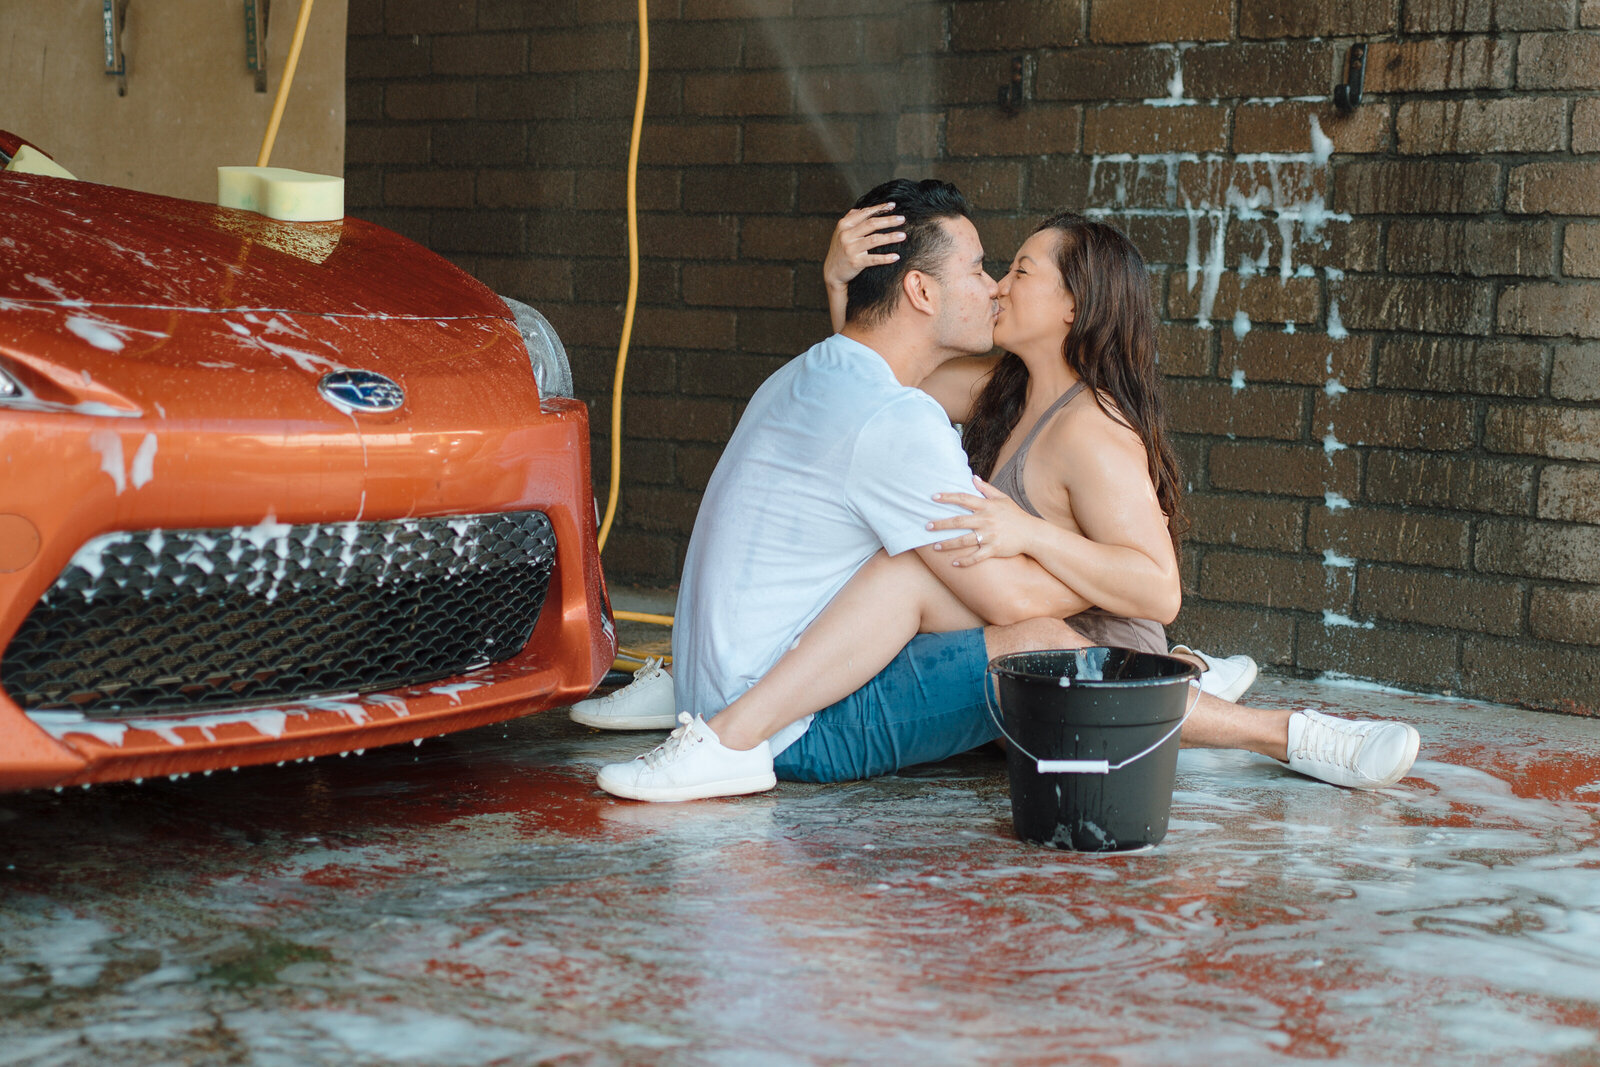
256 14
1011 92
1347 97
115 23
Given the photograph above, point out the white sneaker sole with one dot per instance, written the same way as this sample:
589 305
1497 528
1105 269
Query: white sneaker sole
1413 746
601 721
728 787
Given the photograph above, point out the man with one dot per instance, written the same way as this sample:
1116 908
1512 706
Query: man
837 457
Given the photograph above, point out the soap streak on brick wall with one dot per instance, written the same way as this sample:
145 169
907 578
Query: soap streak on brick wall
1441 281
1379 329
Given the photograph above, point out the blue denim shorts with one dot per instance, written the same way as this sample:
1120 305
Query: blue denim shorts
926 705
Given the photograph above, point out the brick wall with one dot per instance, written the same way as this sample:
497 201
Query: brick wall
1381 333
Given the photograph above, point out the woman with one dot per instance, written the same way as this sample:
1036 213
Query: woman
1068 425
1068 428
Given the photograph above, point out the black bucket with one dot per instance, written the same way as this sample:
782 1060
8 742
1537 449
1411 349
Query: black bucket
1093 744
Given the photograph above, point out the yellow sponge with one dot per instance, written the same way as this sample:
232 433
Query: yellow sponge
279 193
29 160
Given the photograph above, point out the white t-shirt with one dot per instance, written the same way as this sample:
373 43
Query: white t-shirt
832 460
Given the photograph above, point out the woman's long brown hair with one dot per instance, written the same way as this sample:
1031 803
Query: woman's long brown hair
1111 347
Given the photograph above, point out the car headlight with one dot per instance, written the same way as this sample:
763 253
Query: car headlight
550 367
9 387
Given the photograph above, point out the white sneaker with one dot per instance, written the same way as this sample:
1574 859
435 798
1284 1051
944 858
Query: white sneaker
691 764
645 703
1225 679
1362 754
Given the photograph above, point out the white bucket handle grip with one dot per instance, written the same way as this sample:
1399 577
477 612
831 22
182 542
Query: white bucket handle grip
1080 766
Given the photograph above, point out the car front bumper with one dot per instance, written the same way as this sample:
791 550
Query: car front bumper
71 477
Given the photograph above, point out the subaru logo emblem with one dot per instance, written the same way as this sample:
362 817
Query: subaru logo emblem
361 390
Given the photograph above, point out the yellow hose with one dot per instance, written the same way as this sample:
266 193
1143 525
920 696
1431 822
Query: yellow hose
283 86
633 276
641 616
628 658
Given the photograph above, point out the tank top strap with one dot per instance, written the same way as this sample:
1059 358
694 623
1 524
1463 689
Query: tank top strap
1060 402
1008 478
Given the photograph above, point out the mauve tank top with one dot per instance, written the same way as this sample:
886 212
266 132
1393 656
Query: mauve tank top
1095 624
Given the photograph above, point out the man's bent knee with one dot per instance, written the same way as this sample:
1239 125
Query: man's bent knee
1031 635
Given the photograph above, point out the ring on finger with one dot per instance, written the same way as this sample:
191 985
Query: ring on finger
980 538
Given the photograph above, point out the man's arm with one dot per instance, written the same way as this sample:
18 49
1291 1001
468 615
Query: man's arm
905 454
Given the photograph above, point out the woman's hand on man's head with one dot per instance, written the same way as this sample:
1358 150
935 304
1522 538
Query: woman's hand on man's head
856 238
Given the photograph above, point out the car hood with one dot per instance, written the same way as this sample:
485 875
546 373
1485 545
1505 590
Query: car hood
77 241
120 302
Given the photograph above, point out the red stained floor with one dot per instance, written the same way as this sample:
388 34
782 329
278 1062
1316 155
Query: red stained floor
476 901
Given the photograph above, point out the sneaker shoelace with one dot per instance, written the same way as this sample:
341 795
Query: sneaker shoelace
1334 741
677 741
652 667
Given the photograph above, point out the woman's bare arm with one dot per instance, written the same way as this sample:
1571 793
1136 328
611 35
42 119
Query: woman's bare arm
956 384
1119 557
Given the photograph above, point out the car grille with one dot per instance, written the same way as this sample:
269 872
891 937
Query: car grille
190 620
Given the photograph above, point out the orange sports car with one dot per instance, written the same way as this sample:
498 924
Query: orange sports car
271 490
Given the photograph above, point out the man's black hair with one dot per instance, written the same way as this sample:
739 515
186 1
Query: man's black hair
874 293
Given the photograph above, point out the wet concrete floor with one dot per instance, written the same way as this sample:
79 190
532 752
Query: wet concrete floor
476 900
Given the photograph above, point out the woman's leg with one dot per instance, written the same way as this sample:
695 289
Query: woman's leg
1224 724
889 601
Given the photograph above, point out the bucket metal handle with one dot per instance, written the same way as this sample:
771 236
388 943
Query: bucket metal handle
1080 766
